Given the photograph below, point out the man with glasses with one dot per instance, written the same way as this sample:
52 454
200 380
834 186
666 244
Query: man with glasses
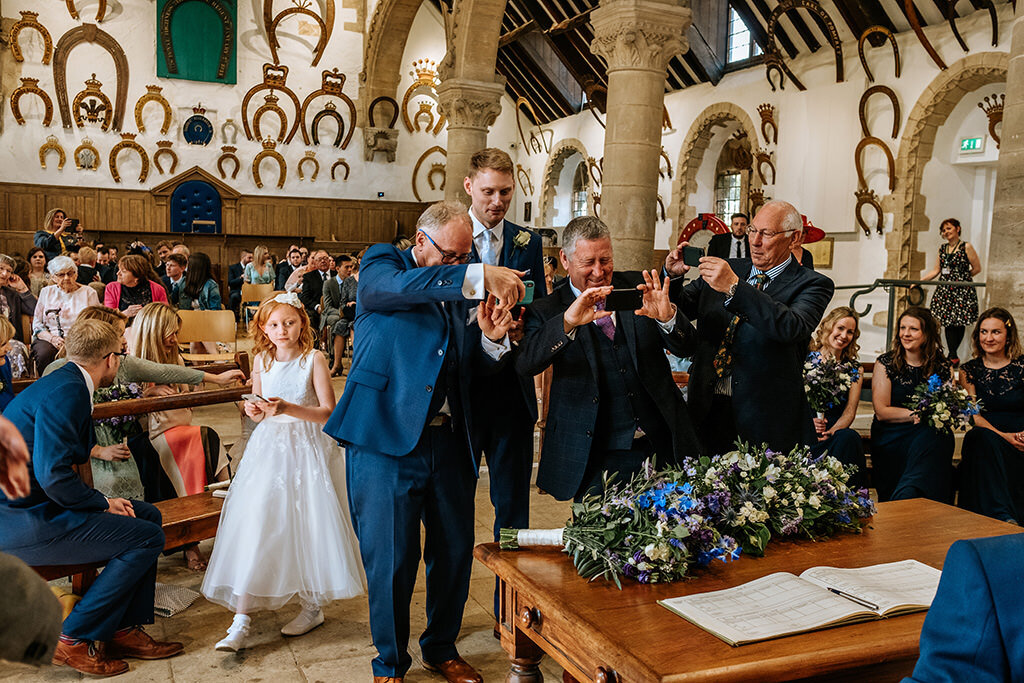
406 417
62 520
313 285
754 320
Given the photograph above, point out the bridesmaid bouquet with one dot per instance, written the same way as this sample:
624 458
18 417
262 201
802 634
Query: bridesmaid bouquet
117 428
943 405
827 381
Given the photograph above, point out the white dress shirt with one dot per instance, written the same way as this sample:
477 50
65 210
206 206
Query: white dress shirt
488 246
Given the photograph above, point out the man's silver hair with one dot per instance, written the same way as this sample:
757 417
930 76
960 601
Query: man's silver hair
791 218
59 264
583 228
440 214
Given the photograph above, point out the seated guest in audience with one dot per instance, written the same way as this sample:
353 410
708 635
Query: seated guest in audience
260 269
910 459
37 275
754 321
64 521
287 267
190 456
105 266
992 456
313 284
87 266
732 244
15 297
175 266
836 339
551 277
180 248
287 253
613 402
199 291
163 250
57 309
49 237
338 313
135 286
974 630
236 277
6 376
304 253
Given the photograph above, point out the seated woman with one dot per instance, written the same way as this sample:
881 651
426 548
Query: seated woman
189 456
50 237
15 299
261 270
58 307
992 457
199 291
911 460
137 285
836 338
115 473
37 275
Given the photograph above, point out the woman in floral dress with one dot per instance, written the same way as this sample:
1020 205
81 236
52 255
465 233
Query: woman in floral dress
954 307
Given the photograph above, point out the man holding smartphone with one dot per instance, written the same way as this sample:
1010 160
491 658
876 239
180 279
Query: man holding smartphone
613 401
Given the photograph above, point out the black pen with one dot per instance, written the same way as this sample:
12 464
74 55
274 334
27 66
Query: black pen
853 598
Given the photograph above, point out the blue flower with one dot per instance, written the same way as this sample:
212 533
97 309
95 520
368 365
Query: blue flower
934 382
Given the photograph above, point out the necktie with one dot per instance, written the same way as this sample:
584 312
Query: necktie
605 324
722 362
487 253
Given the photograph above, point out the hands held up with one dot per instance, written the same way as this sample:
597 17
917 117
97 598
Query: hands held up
715 271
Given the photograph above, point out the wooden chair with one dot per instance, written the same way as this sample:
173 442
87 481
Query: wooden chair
252 297
207 326
26 328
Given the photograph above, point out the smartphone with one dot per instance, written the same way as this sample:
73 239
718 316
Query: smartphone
254 398
528 296
624 300
692 256
74 223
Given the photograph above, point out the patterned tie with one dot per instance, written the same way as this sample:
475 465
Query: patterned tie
722 362
487 253
605 324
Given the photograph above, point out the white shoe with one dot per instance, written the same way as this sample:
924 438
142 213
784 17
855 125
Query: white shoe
237 638
307 620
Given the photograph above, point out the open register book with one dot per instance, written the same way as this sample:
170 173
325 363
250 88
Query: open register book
783 604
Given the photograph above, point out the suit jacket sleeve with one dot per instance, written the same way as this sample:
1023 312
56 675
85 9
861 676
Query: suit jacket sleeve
682 340
310 294
332 298
686 296
58 438
543 340
540 287
28 303
213 300
235 277
781 322
386 283
281 276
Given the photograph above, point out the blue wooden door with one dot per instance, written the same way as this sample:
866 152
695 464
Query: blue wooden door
195 200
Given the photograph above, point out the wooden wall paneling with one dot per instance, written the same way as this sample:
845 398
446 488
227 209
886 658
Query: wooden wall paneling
350 225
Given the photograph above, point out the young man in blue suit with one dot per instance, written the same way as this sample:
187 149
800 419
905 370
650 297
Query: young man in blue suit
64 521
406 419
503 429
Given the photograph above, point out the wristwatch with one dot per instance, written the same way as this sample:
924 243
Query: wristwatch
732 290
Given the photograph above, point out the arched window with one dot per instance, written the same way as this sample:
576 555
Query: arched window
728 187
580 182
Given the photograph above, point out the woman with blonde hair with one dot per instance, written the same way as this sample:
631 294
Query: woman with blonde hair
137 285
50 237
261 270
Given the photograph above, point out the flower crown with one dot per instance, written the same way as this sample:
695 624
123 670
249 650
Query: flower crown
290 298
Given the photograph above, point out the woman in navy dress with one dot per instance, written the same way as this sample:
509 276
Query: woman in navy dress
911 460
836 337
992 464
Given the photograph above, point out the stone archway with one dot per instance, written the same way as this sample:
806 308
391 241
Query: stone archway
929 113
691 155
562 150
382 54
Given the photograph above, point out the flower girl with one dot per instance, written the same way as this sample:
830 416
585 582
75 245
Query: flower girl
285 530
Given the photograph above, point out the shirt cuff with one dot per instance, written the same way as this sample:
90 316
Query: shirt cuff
495 349
473 283
669 326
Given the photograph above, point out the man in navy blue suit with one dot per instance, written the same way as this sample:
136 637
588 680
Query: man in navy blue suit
236 271
63 521
406 419
503 428
974 630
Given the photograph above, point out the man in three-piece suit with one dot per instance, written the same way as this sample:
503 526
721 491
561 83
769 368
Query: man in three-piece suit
754 320
335 313
313 285
733 244
406 417
613 401
286 268
236 278
503 429
974 630
64 521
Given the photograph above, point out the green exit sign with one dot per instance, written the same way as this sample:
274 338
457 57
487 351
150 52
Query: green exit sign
972 145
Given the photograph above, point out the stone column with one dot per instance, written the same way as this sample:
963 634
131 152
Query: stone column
637 38
471 108
1004 283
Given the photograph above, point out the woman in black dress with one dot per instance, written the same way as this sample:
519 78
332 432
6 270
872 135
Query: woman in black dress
992 464
954 307
911 460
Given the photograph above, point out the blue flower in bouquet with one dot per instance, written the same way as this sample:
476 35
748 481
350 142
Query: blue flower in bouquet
943 405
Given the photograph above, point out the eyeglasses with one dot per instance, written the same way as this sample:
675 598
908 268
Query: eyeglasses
449 257
766 234
120 355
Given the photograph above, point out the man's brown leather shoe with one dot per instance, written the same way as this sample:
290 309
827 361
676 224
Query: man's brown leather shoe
138 644
455 670
88 658
388 679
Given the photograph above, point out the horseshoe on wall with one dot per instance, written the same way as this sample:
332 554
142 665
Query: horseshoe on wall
309 158
868 198
661 208
542 140
340 162
165 148
755 200
419 162
995 19
52 144
153 94
596 87
227 42
269 151
274 78
951 18
774 63
595 198
230 123
764 157
668 165
881 30
228 154
326 24
896 117
394 115
596 170
767 113
436 168
92 92
830 31
426 111
270 104
915 24
329 111
867 142
101 9
128 142
524 178
89 33
425 72
31 85
30 20
331 84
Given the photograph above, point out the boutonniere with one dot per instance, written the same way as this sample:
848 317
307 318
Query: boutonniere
521 240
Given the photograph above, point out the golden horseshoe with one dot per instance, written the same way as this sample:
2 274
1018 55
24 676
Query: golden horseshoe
165 148
153 94
31 85
341 162
30 20
128 142
269 151
419 162
868 198
866 142
92 89
888 92
310 156
228 154
275 77
52 144
326 25
868 32
270 104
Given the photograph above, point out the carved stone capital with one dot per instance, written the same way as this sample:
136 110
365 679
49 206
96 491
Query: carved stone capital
470 104
639 34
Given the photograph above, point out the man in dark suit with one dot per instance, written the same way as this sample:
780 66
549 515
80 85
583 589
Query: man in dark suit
236 278
286 268
734 244
406 419
974 630
613 401
313 285
504 426
754 320
64 521
105 265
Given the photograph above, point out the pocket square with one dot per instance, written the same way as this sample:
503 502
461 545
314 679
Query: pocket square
472 316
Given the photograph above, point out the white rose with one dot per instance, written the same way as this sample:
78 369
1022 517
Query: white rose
769 493
813 501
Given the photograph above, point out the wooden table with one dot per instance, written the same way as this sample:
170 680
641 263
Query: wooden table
598 633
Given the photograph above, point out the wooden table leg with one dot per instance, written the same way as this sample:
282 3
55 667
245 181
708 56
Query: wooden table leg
524 655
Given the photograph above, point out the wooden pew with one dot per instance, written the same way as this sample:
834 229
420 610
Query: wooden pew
241 362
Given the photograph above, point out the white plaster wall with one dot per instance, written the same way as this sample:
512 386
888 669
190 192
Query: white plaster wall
133 25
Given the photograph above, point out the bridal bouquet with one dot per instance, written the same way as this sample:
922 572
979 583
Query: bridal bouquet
115 429
754 494
943 405
827 381
649 529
